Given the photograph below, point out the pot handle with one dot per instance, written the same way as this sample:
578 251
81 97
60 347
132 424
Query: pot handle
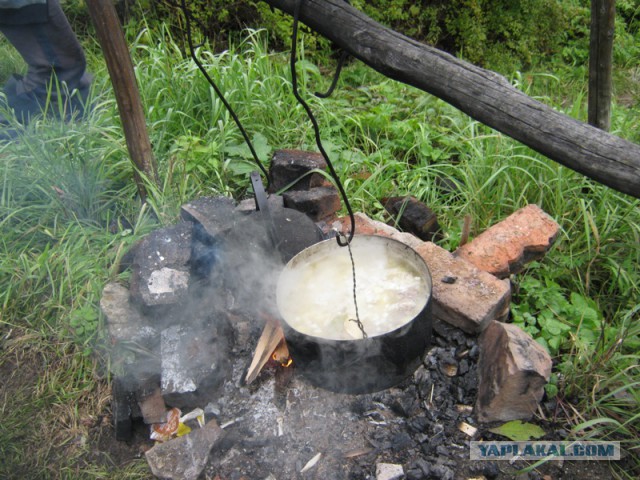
262 205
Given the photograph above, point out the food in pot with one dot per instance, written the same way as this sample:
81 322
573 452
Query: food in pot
316 295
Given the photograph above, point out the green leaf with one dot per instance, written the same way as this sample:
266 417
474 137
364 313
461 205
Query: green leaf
519 431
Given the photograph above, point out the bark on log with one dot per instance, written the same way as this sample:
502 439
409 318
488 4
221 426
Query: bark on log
603 14
116 53
481 94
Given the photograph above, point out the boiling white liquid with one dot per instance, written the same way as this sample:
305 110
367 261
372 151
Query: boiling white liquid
316 297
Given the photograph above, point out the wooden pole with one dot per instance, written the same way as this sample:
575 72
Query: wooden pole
114 47
481 94
603 14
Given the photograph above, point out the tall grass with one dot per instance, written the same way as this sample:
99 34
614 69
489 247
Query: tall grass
68 211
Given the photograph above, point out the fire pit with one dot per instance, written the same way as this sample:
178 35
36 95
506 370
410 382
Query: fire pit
317 300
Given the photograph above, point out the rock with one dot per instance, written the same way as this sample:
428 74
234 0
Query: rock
287 166
213 214
513 370
506 247
389 471
160 274
470 302
414 216
318 203
367 226
184 457
193 363
124 322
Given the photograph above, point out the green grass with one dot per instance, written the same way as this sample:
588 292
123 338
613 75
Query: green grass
66 189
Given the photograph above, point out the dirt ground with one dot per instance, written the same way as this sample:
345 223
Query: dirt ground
275 427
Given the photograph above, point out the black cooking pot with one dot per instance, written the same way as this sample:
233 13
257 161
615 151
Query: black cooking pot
357 364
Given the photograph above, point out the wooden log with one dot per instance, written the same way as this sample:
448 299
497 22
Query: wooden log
481 94
603 14
116 53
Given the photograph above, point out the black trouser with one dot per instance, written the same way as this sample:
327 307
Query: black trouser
52 53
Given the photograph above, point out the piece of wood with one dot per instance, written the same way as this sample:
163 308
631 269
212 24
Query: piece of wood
603 14
272 336
482 94
116 53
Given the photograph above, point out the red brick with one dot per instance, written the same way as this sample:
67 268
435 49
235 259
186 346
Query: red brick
506 247
463 295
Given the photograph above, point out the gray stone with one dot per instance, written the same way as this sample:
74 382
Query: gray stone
513 370
289 166
193 363
473 300
124 322
389 471
213 214
160 274
185 457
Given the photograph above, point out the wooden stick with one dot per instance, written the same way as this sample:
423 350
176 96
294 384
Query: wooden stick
116 53
271 337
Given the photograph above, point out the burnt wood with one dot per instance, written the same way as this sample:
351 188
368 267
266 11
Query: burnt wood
482 94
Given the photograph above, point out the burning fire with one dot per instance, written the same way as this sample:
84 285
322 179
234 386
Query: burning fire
281 354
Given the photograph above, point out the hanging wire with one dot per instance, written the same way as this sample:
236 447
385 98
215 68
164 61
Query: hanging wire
343 57
347 240
316 128
192 51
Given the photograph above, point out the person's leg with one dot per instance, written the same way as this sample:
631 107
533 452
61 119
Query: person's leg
47 48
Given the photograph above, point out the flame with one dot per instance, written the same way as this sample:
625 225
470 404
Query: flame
283 361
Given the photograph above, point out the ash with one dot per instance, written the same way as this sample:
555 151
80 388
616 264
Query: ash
277 426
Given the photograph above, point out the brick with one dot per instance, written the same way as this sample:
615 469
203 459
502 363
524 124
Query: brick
318 203
512 372
463 295
152 406
367 226
287 166
506 247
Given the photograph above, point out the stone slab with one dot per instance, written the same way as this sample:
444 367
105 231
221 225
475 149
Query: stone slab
463 295
506 247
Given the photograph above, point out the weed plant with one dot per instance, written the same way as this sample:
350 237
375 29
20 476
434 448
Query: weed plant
69 211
